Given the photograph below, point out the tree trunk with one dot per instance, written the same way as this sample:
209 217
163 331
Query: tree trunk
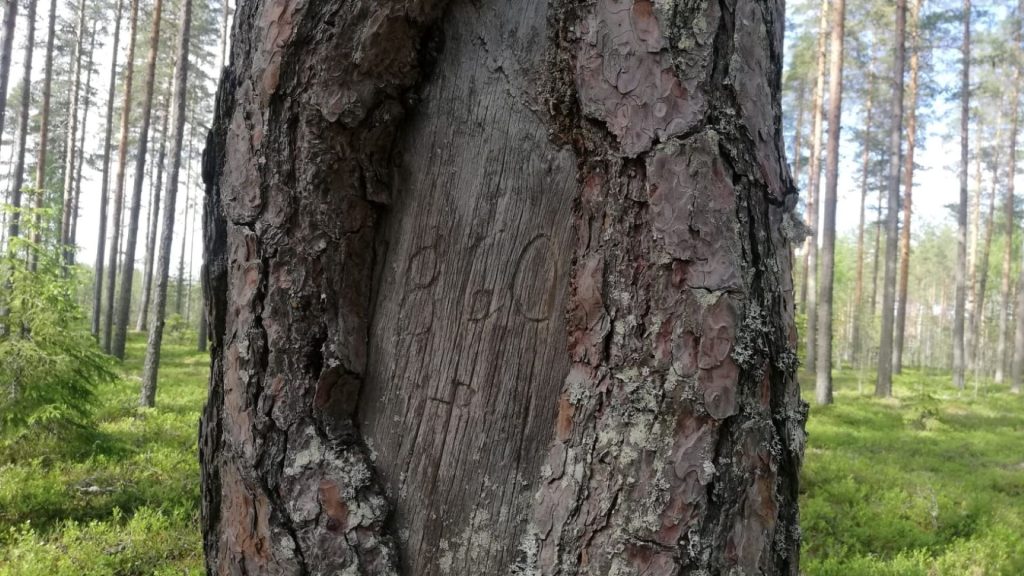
101 241
124 297
961 215
974 231
1004 289
151 365
877 257
986 249
81 136
811 265
823 367
179 303
122 162
70 145
858 292
883 386
154 215
44 131
6 49
1018 348
541 362
18 176
908 187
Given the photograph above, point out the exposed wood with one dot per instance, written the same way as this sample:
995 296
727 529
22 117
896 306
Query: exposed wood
483 299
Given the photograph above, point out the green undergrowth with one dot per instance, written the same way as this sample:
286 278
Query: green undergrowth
929 482
119 496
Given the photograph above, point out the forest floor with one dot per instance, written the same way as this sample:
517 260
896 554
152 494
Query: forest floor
121 499
928 483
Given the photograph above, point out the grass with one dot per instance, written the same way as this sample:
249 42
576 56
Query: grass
120 499
928 483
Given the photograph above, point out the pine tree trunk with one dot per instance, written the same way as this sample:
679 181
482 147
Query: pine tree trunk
883 386
71 144
961 216
1002 352
813 193
154 215
124 296
151 366
44 131
908 187
6 49
983 258
974 228
826 280
560 343
1017 368
18 175
179 304
858 291
122 163
81 138
101 241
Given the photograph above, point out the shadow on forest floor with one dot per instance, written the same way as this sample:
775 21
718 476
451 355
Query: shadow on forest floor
121 498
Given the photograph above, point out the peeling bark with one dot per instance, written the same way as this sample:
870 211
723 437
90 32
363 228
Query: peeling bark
503 292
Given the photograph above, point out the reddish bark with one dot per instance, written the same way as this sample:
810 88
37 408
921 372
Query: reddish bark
547 320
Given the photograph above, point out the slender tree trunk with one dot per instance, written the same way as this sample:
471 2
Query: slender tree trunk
151 365
858 292
191 251
798 144
6 49
1017 368
154 215
883 386
124 299
811 264
179 304
823 387
44 131
961 216
1004 289
986 248
908 187
621 451
101 241
109 329
974 229
18 175
70 156
225 31
81 136
877 257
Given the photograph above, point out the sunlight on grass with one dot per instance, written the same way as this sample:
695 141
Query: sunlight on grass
930 482
120 499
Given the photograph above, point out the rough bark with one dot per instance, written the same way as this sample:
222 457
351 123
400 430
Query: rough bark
908 186
44 131
124 296
883 385
151 366
826 280
101 241
154 215
1002 351
858 291
814 176
18 175
405 314
959 304
122 163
